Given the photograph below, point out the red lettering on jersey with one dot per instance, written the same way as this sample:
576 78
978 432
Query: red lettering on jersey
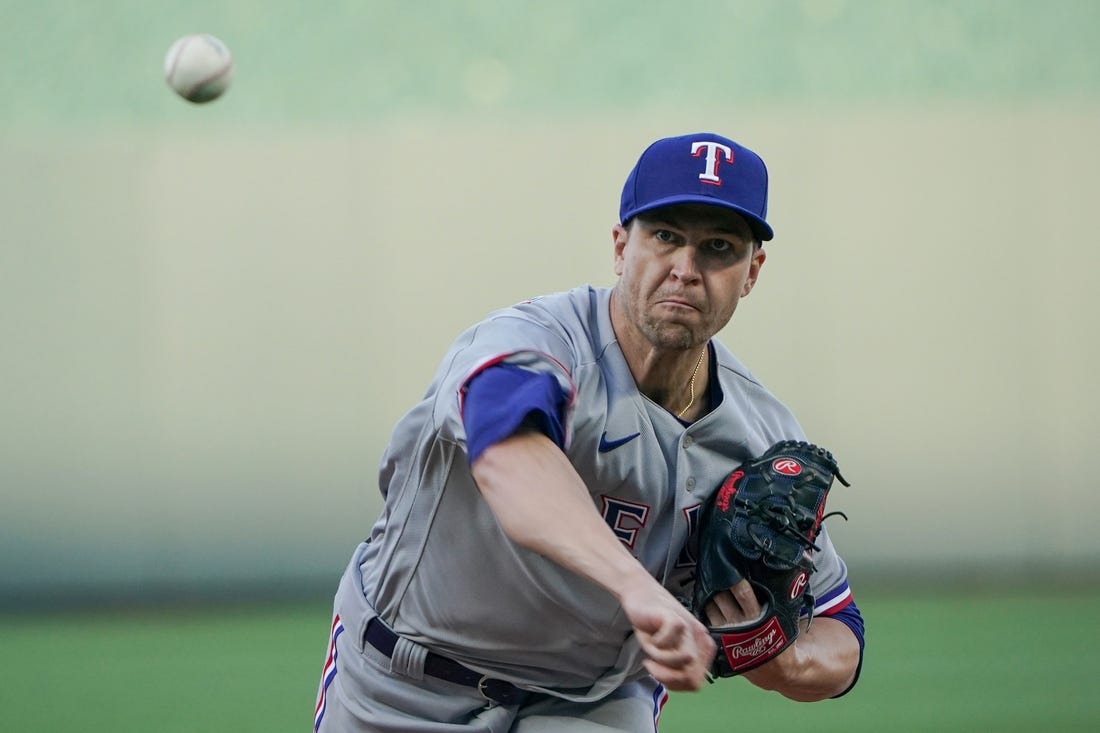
687 556
625 518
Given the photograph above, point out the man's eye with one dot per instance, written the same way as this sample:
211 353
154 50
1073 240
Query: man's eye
720 245
664 235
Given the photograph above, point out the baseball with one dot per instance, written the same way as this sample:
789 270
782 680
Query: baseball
198 67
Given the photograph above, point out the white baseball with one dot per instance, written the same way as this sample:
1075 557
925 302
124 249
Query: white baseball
199 67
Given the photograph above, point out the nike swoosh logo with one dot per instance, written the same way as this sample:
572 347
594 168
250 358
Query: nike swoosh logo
606 445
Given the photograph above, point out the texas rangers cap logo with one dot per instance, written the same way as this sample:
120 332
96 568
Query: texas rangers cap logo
787 466
701 168
714 153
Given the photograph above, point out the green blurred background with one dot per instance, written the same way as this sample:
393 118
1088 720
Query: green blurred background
211 316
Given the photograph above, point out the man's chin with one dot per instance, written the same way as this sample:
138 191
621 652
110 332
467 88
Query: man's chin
673 336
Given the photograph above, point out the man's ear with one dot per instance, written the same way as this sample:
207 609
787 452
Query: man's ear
619 236
758 257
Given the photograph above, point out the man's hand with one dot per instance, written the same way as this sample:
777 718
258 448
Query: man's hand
734 606
679 648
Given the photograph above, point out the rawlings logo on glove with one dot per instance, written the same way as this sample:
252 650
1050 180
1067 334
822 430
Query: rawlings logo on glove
761 525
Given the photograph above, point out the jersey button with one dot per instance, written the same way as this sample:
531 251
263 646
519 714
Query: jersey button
690 483
688 441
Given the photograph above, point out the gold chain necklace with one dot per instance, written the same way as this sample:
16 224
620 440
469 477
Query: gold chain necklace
691 384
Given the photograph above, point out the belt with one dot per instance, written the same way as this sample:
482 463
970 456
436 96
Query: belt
382 638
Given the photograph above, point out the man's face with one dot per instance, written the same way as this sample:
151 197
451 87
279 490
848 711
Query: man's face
682 270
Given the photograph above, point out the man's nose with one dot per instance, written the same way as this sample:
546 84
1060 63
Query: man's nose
684 263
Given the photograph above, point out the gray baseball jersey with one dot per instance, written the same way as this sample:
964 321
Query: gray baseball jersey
440 571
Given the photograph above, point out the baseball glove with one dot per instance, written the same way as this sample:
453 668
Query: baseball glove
761 524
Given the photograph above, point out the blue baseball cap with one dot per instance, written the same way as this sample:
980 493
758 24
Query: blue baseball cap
703 168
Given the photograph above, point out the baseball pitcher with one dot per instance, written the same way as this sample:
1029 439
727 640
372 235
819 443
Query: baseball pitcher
595 503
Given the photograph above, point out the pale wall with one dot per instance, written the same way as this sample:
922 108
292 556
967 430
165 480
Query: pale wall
208 334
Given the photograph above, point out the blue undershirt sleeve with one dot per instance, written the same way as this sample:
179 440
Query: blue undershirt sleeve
503 398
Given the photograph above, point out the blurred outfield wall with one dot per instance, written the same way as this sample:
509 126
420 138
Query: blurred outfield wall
212 316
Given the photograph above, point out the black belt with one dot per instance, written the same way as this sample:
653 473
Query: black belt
382 638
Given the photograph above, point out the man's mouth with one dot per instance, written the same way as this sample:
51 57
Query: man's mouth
675 302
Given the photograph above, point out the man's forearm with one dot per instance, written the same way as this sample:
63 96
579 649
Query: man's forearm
542 504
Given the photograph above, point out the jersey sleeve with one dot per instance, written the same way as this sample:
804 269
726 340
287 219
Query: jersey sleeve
829 581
